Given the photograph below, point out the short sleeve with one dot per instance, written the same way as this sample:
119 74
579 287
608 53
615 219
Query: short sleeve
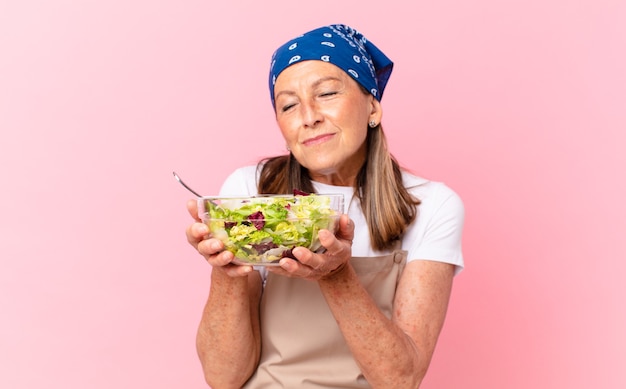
440 228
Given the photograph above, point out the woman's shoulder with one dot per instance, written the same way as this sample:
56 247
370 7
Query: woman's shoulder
241 182
413 182
248 171
429 191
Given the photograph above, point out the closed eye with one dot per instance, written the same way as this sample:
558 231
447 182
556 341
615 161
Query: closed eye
287 107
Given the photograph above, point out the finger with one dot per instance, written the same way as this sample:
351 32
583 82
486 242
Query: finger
196 233
192 208
330 241
334 244
346 228
290 268
289 265
237 270
303 256
211 246
234 270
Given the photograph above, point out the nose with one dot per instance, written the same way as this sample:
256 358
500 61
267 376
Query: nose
311 115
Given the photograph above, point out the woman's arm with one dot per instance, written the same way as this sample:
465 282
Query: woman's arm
228 338
392 353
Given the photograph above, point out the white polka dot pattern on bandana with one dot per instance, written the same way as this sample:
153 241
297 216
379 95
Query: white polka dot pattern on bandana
342 46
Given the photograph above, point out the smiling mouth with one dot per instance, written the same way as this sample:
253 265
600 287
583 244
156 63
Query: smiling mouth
318 139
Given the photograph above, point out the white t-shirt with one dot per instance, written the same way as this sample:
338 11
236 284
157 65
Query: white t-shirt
435 234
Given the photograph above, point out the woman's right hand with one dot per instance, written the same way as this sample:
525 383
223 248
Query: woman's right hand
210 248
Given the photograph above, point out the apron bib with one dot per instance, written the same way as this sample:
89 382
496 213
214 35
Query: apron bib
302 346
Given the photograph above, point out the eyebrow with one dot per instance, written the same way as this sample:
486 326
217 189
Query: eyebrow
315 84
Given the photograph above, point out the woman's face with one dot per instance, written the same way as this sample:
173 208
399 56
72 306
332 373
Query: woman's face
323 115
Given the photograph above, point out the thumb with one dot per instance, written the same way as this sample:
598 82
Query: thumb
192 208
346 228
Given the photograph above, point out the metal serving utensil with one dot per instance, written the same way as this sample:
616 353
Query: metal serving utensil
185 185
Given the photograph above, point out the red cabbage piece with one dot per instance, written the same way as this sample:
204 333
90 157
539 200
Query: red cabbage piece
263 247
288 254
257 219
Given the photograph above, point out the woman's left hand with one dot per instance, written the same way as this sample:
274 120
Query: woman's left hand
316 266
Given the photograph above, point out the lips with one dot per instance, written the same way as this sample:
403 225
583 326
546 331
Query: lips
318 139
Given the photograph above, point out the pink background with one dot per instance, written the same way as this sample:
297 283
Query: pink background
520 106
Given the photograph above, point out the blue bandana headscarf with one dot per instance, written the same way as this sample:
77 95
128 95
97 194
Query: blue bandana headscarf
342 46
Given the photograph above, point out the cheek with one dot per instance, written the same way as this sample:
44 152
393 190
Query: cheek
360 137
286 129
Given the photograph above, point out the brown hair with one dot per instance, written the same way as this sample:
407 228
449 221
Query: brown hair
387 205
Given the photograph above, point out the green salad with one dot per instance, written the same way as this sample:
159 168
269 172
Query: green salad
266 228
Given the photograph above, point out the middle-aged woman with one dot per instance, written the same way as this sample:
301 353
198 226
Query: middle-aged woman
368 311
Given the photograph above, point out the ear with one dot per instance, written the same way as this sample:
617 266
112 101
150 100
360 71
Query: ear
376 113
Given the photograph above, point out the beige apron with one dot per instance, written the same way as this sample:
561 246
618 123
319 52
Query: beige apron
302 346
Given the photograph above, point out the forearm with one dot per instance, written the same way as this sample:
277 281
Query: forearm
386 355
228 339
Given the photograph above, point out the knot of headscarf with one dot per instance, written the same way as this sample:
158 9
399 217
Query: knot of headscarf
342 46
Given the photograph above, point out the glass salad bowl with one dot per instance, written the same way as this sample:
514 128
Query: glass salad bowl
260 230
